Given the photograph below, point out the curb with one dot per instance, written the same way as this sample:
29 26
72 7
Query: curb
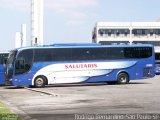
40 91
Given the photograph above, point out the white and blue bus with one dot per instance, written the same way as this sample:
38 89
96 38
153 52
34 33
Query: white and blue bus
55 64
3 58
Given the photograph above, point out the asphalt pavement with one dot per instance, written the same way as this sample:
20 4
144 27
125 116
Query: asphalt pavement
138 99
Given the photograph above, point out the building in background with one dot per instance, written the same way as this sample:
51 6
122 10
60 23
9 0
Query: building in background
37 22
127 32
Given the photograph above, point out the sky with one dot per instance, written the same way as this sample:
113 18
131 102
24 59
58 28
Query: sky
71 21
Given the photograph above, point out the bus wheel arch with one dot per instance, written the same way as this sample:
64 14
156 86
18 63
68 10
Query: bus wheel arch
123 78
40 81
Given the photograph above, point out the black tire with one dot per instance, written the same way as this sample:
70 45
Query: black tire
123 78
40 82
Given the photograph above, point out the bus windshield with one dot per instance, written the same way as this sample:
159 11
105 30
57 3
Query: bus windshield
157 58
11 57
3 56
157 63
9 64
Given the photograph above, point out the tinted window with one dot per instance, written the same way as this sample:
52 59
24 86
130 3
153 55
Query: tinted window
80 54
112 43
98 54
138 52
146 32
89 54
157 56
115 53
113 31
41 55
2 57
111 53
155 43
63 54
24 61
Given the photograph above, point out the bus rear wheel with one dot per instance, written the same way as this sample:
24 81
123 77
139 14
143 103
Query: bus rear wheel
40 82
123 78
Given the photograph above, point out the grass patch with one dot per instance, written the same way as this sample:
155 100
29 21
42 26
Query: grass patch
6 114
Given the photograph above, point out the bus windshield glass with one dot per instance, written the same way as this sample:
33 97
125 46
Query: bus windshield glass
9 64
157 58
11 57
3 56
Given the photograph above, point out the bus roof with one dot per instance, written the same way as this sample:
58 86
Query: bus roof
3 52
76 45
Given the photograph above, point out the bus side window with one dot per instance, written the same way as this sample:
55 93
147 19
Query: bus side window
4 61
24 62
20 65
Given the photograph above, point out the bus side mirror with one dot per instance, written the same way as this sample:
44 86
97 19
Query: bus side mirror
20 65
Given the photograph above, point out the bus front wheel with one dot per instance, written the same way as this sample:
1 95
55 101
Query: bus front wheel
123 78
40 82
